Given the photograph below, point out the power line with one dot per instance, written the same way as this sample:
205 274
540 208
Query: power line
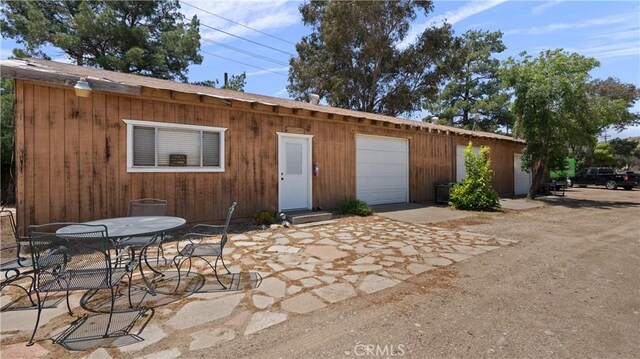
245 39
237 23
243 63
247 52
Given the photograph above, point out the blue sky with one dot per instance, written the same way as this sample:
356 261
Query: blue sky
606 30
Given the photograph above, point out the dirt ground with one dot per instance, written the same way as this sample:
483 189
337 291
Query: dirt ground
570 288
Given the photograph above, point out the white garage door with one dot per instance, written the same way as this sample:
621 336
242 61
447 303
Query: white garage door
382 169
521 179
461 170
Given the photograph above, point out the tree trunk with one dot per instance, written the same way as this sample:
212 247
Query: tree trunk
538 172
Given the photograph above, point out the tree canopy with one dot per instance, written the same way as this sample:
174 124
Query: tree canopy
472 96
142 37
551 106
615 100
235 82
357 57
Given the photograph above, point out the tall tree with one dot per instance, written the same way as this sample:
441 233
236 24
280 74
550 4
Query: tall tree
142 37
472 97
358 56
551 106
615 100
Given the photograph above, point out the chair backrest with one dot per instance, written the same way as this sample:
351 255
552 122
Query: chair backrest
223 240
86 249
147 207
202 231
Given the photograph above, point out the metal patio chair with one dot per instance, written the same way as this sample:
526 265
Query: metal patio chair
79 259
141 208
15 263
195 245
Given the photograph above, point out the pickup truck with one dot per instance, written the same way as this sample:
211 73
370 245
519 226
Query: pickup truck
602 176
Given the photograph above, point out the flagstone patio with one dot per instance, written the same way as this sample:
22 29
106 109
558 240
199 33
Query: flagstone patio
303 270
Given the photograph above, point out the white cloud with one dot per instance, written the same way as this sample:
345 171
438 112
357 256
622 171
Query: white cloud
544 7
451 17
588 23
473 8
609 50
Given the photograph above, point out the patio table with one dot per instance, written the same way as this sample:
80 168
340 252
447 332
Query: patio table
126 227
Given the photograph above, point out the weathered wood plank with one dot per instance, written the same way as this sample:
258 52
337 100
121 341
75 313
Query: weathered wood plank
21 144
124 182
85 167
41 154
56 155
71 156
112 157
41 201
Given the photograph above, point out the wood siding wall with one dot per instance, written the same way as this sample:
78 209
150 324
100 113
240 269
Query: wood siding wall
71 157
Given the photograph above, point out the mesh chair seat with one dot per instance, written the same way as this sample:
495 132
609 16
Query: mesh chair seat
201 250
82 279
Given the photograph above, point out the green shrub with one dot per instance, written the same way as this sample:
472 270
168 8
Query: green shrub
355 206
475 192
265 218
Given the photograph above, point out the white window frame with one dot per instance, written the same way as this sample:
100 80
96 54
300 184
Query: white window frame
167 169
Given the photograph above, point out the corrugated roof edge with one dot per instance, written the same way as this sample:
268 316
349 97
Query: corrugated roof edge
131 84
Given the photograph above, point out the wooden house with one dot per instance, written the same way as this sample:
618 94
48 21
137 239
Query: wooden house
200 148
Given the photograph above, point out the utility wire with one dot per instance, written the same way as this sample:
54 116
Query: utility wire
245 39
237 23
243 63
247 52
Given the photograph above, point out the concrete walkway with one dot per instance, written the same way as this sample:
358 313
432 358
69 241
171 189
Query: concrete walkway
303 270
425 214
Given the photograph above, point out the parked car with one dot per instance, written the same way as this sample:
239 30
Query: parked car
634 176
603 176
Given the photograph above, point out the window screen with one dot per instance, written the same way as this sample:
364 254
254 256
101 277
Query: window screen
144 143
211 148
178 142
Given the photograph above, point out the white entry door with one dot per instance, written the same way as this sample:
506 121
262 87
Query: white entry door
521 178
294 171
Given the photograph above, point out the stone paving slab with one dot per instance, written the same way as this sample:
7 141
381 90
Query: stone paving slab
303 269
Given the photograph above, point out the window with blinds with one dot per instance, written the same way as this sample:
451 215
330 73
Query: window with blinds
162 147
